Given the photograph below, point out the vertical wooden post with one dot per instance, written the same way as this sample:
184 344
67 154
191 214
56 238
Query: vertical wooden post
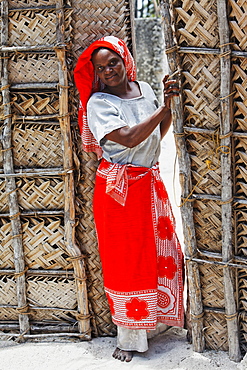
196 306
8 168
226 192
69 211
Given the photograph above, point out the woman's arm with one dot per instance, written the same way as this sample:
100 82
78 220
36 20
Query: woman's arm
132 136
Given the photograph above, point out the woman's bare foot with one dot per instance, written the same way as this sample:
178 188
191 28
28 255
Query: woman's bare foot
122 355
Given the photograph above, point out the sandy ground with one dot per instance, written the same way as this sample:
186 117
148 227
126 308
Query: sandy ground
168 350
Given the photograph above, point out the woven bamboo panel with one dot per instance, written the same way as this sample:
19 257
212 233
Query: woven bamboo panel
28 68
241 231
31 27
243 332
37 145
46 292
201 90
50 294
205 164
35 104
215 331
7 313
197 23
93 20
44 243
59 316
240 169
207 218
4 207
8 289
15 4
40 193
240 87
237 22
242 308
6 248
212 285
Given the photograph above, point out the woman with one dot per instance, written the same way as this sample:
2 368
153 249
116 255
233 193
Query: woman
141 258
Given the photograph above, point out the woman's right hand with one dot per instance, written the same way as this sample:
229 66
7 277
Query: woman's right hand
170 89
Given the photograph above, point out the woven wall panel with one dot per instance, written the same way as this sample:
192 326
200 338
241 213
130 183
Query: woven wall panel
40 193
44 243
239 67
241 231
212 285
35 104
207 218
198 53
51 292
242 292
53 316
237 24
201 90
196 23
6 313
4 206
37 146
30 27
28 68
205 164
6 248
8 289
35 27
15 4
93 20
215 332
241 168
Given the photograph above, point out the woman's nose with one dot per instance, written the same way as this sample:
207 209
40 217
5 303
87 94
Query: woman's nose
108 69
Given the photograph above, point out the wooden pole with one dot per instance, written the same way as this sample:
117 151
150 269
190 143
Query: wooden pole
8 167
226 192
69 211
196 307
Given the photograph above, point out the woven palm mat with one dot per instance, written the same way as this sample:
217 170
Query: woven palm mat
33 103
35 27
37 146
31 67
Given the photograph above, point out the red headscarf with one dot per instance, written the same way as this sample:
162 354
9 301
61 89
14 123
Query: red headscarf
87 82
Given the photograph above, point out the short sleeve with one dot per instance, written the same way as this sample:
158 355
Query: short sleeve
103 117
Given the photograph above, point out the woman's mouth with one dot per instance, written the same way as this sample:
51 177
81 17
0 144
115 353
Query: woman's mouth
110 77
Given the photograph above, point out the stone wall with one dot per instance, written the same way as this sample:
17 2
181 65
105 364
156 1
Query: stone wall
150 55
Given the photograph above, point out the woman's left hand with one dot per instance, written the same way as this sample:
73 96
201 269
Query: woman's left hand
170 89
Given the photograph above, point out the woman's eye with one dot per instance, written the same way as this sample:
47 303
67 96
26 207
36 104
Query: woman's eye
100 69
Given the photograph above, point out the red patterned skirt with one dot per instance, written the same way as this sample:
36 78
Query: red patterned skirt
141 257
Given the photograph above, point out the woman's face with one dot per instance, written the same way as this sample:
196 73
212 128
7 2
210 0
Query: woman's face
110 68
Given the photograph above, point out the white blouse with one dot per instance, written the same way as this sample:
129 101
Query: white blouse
108 112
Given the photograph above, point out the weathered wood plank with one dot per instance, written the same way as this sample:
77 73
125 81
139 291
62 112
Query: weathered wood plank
69 209
8 167
226 192
196 307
